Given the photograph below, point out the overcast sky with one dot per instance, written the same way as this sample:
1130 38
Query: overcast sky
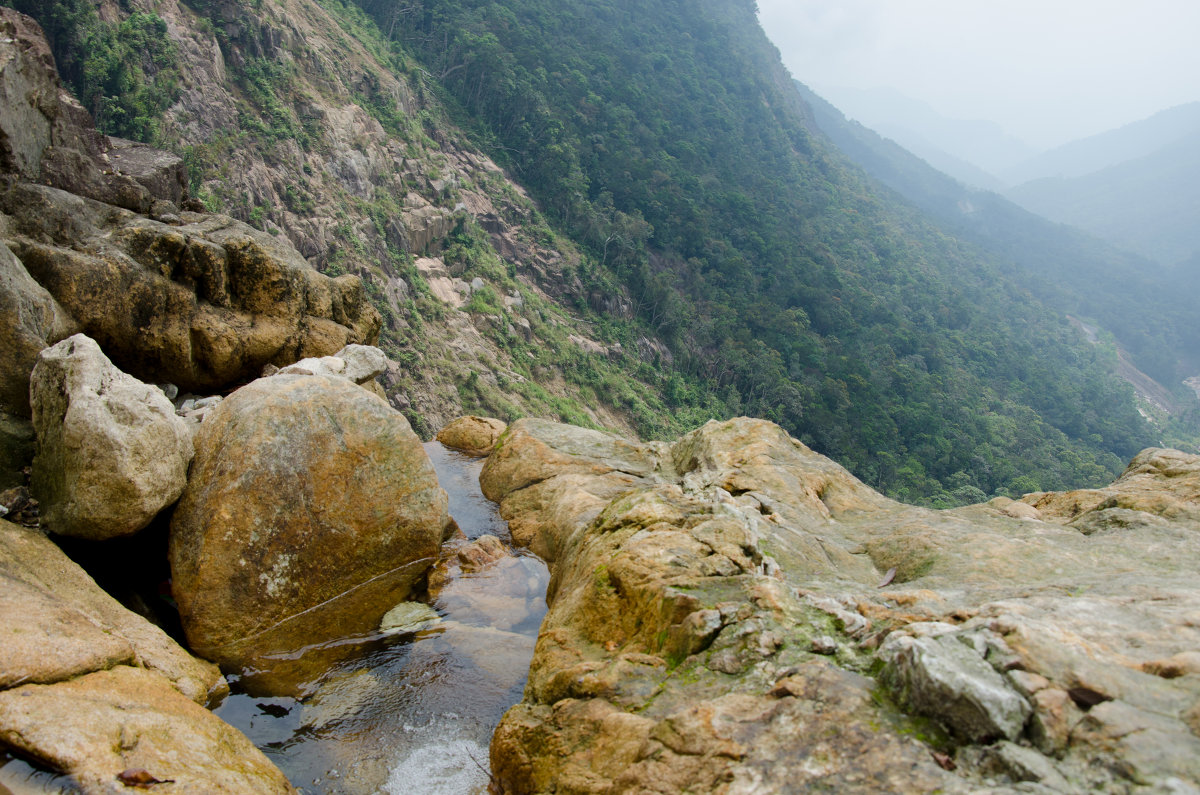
1047 70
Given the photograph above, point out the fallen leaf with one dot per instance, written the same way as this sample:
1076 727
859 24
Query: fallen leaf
945 762
140 777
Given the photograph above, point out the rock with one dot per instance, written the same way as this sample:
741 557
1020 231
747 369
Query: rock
1177 665
30 319
942 678
472 435
694 587
45 134
481 553
100 724
58 624
201 305
409 617
310 511
162 174
1162 483
111 452
357 363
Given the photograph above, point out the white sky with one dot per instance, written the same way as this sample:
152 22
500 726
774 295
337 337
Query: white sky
1047 70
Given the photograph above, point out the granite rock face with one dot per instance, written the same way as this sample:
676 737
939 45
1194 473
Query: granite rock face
202 303
736 613
311 509
111 452
57 624
46 136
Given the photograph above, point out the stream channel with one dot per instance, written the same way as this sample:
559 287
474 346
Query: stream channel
415 713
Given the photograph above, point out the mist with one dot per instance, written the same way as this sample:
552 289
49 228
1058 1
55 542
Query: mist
1046 71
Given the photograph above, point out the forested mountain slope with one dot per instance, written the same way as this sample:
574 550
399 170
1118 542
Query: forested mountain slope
778 275
1151 314
706 251
1148 204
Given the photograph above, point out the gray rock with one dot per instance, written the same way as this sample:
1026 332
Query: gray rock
942 678
408 617
111 452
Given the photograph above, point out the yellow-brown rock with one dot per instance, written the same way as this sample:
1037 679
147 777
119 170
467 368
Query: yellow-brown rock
311 509
714 604
201 304
57 624
97 726
472 435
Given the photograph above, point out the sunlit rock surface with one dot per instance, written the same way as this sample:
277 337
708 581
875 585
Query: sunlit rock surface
472 435
720 609
311 509
101 725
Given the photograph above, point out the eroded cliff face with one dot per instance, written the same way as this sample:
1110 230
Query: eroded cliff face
735 613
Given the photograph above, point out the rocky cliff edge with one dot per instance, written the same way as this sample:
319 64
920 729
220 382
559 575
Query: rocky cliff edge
736 613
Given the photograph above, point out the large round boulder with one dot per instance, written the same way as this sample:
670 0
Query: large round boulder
472 435
111 452
311 509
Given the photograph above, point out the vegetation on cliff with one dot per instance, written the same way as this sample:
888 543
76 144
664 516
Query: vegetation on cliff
693 203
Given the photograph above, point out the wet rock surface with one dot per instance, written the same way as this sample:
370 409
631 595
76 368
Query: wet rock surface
736 613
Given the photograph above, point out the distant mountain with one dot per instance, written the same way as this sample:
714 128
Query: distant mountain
1097 152
1149 204
972 151
1151 313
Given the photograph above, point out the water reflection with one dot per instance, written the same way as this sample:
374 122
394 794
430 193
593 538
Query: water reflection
415 712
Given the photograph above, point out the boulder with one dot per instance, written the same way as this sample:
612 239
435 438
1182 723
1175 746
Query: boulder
111 452
472 435
30 320
201 304
113 723
310 511
357 363
58 624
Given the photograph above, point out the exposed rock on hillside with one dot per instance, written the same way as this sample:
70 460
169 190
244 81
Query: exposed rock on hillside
717 607
46 136
111 452
311 509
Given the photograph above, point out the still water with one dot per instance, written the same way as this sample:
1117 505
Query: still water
415 711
